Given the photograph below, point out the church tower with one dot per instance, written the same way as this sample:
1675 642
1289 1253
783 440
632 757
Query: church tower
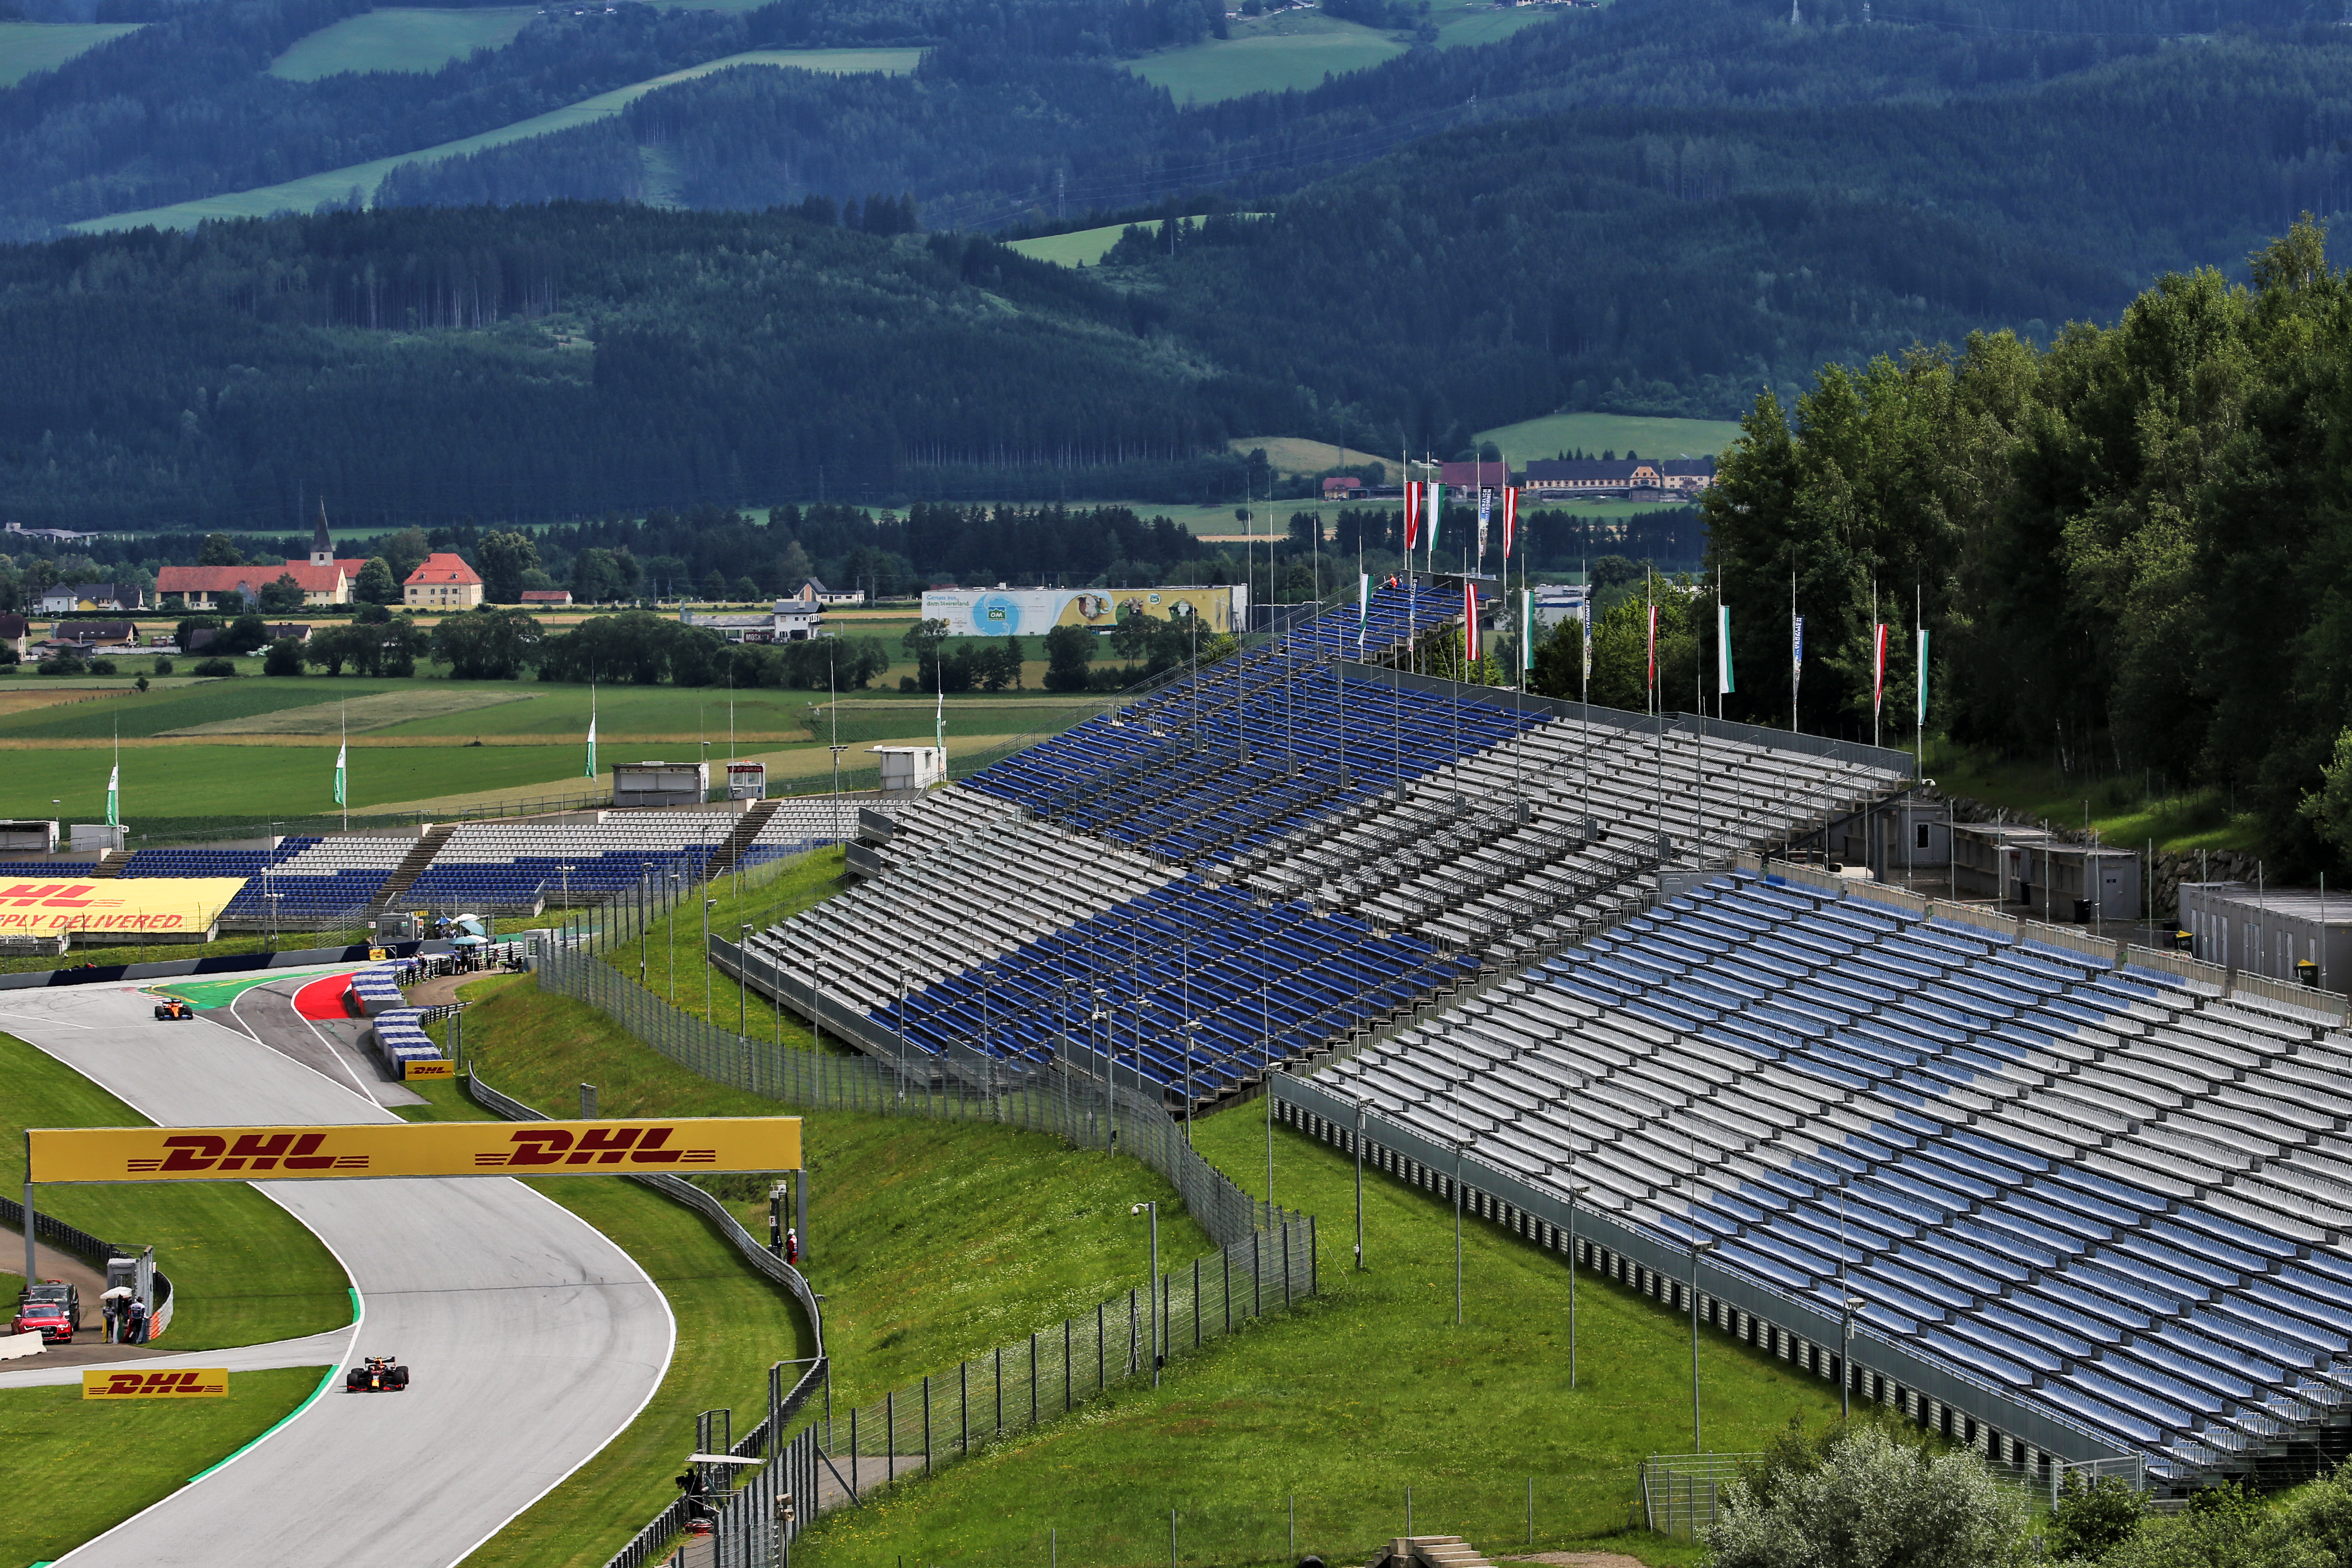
322 549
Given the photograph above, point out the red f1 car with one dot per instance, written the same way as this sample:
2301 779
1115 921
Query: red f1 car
375 1375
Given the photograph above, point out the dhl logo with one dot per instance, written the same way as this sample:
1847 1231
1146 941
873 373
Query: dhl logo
202 1383
251 1151
54 896
597 1146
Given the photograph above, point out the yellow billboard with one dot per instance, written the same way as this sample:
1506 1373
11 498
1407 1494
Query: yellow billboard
185 1383
41 906
419 1149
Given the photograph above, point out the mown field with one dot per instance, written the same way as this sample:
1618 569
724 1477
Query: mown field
254 749
1620 433
29 46
399 38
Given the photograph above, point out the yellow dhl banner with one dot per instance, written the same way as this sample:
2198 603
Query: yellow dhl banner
40 906
185 1383
419 1149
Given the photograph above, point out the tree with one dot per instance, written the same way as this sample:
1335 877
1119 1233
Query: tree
376 585
231 604
2089 1519
403 552
714 585
285 657
247 634
281 597
404 642
220 550
924 639
1863 1500
502 559
1559 661
190 624
485 644
1069 650
369 614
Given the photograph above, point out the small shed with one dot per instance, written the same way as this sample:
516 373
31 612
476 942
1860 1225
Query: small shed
911 767
2285 933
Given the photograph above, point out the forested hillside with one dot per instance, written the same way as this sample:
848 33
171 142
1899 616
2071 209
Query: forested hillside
2129 548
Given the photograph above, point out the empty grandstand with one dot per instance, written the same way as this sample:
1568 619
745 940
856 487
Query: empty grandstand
1259 862
2081 1208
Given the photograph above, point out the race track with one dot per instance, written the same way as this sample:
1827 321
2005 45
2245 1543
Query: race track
532 1339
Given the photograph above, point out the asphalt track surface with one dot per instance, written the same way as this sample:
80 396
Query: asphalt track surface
531 1340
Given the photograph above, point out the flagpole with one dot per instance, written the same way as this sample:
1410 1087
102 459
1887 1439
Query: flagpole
342 761
1797 660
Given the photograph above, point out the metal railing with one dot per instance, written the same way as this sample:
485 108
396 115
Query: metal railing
1682 1493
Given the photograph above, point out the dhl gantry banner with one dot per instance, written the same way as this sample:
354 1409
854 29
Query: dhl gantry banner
420 1148
201 1383
44 906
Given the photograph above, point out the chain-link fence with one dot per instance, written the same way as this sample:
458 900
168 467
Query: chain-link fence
940 1418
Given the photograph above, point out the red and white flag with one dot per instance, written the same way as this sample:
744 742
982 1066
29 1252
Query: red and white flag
1510 517
1654 645
1470 620
1411 514
1878 669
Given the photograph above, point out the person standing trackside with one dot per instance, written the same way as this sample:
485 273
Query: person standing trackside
137 1314
791 1246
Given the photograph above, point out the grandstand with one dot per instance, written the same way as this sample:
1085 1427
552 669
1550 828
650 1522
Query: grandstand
2091 1208
1251 866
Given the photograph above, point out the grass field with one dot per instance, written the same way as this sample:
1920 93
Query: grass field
1619 433
1345 1403
1292 51
1086 246
244 1271
77 1469
398 39
335 184
29 46
1297 454
2127 813
931 1242
410 702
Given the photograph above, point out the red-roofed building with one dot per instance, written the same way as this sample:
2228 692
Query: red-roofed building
547 599
444 582
200 587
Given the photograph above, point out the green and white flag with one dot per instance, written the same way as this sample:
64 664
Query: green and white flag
342 754
114 797
592 732
1922 678
1722 649
1527 628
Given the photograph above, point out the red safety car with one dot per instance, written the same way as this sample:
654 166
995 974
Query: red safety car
53 1309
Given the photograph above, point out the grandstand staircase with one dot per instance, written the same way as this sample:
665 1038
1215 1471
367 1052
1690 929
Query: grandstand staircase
740 841
110 864
412 866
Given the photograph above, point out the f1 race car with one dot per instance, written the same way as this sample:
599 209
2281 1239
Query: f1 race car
171 1008
375 1375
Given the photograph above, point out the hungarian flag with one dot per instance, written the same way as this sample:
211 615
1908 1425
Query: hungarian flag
1511 519
1470 621
1435 501
1411 514
1879 669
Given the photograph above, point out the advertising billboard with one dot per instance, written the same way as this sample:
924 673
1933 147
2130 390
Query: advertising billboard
136 906
1034 612
196 1383
413 1149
